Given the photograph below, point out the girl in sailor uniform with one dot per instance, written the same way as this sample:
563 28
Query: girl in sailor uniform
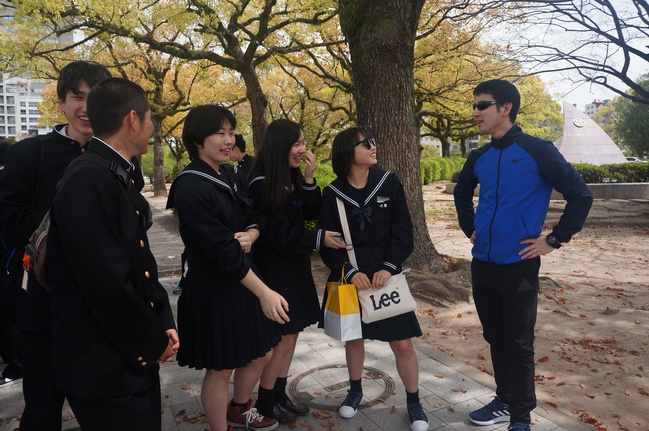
224 308
286 198
381 230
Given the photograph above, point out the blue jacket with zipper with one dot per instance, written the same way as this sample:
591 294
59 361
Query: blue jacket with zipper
516 174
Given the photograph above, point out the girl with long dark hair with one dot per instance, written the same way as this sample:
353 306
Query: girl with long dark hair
286 198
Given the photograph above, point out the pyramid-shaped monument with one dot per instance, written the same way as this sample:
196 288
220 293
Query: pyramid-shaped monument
583 141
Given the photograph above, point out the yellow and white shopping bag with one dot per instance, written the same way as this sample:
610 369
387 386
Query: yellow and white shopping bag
342 314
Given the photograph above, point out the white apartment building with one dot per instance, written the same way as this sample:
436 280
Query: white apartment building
19 99
592 107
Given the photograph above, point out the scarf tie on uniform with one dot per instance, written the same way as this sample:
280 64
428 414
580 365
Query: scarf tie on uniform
362 215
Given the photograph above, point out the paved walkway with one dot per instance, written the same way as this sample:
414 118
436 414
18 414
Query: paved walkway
449 389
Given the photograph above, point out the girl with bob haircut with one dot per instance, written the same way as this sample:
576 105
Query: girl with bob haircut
286 198
224 307
381 230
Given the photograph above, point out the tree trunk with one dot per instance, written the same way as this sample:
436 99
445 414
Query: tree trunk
381 38
159 186
258 104
446 147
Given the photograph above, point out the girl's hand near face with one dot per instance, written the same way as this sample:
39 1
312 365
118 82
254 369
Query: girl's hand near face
311 164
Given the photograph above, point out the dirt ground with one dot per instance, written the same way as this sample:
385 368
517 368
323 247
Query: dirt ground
592 335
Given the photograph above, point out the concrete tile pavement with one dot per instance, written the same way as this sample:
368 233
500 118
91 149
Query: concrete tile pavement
449 389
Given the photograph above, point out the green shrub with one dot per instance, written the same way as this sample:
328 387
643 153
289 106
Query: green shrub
590 173
434 169
440 168
444 168
457 165
324 174
422 173
617 173
629 172
429 169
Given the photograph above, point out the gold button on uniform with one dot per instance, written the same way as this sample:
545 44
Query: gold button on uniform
146 274
141 243
151 304
137 212
140 359
143 364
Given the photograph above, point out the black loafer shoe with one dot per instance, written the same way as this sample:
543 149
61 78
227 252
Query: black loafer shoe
282 415
295 407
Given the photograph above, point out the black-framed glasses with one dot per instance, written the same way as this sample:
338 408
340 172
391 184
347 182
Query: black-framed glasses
484 104
367 142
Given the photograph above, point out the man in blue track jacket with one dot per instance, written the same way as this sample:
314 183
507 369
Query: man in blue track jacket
516 173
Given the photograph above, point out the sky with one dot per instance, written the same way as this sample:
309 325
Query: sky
578 94
570 37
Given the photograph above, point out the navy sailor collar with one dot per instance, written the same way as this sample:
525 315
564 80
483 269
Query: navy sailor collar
205 171
375 181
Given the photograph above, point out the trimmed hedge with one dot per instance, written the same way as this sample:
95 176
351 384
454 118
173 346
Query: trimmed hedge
617 173
439 168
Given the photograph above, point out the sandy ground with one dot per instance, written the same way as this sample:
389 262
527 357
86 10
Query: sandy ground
592 335
592 344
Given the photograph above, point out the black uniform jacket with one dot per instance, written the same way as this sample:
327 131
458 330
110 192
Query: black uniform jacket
33 168
244 166
109 312
380 226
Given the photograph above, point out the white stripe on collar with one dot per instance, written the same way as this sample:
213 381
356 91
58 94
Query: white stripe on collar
254 180
369 197
376 189
209 177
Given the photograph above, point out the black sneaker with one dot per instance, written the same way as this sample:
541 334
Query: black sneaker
417 417
349 407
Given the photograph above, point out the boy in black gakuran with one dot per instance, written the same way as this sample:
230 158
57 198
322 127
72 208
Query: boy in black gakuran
111 318
33 168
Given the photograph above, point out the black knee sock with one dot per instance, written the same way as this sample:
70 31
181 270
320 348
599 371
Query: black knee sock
280 389
266 398
355 385
412 397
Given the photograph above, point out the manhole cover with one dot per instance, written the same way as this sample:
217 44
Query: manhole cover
325 388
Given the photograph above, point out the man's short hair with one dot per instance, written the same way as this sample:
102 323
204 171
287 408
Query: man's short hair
73 73
343 149
239 142
110 101
502 92
203 121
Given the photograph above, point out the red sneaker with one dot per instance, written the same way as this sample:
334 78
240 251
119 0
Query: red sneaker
250 418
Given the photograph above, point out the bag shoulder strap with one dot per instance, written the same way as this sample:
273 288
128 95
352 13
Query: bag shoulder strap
348 236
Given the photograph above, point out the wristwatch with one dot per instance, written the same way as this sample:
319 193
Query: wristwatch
553 241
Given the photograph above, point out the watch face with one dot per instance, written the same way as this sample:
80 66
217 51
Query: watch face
552 240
